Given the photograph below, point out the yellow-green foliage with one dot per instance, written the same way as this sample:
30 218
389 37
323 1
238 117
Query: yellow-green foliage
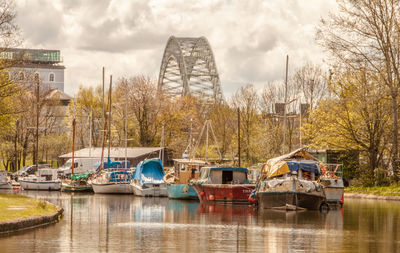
13 206
393 190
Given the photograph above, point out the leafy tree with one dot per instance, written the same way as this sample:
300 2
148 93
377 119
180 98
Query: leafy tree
365 34
355 119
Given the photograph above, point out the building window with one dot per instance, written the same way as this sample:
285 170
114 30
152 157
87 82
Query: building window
21 76
51 77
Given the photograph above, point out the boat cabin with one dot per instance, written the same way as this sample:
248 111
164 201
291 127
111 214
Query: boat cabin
187 169
47 174
224 175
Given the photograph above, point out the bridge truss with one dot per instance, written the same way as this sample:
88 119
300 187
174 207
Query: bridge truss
188 68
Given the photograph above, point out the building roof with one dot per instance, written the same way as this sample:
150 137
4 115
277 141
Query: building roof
116 152
58 95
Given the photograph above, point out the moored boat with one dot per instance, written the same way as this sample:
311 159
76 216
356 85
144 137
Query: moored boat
5 182
223 184
116 178
147 180
77 183
44 179
289 182
331 179
178 180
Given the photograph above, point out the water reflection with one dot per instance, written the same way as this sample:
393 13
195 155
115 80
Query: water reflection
125 223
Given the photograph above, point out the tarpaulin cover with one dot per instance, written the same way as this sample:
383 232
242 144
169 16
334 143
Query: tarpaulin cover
120 176
79 176
206 171
149 172
298 159
113 165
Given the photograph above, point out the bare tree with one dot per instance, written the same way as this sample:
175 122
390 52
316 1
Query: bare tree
367 33
247 100
312 84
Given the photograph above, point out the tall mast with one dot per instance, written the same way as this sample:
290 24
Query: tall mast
109 119
73 140
126 124
207 122
238 113
104 130
90 134
284 106
37 125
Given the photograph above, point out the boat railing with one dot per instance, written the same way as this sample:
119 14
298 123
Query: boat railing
332 171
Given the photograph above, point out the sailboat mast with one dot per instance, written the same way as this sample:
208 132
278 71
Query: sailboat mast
73 140
104 130
126 124
207 141
109 118
90 134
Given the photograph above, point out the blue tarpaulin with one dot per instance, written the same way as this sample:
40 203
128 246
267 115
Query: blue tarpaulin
149 172
304 166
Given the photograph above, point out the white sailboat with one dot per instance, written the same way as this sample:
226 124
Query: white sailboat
114 177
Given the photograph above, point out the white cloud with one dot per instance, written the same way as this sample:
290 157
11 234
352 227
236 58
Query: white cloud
250 39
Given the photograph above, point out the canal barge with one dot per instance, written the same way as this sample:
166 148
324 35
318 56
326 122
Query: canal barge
291 182
223 184
44 179
148 179
178 179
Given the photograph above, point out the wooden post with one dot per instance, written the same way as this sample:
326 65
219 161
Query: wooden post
238 111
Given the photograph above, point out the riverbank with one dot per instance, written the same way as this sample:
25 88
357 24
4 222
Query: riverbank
19 212
376 192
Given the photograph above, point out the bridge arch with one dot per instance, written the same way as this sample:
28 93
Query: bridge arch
188 68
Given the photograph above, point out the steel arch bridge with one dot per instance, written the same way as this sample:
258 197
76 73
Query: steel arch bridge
188 68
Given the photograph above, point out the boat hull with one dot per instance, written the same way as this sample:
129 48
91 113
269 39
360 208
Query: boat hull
230 193
150 190
308 201
76 188
112 188
181 191
44 186
5 185
334 190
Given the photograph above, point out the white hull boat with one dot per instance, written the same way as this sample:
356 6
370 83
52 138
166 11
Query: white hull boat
150 190
5 185
112 188
40 185
5 182
44 179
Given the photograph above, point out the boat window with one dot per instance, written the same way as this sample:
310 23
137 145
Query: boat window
227 177
183 167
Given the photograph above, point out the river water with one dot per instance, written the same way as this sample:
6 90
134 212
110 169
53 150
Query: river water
125 223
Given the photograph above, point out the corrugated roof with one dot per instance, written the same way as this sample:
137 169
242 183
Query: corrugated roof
116 152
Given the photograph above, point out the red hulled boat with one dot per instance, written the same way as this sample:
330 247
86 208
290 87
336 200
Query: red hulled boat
223 184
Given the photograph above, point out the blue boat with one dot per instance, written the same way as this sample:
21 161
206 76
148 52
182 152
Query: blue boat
178 179
181 191
147 180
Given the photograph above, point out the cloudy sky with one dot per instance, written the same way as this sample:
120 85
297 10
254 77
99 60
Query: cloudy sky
250 39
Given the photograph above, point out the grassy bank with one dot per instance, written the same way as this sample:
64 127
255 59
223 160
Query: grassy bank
393 190
13 206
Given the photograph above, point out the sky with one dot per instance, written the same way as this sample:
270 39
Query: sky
250 39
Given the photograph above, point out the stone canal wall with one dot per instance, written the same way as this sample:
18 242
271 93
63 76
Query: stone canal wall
369 196
31 222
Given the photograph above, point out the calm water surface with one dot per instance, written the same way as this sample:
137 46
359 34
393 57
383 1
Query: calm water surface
125 223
